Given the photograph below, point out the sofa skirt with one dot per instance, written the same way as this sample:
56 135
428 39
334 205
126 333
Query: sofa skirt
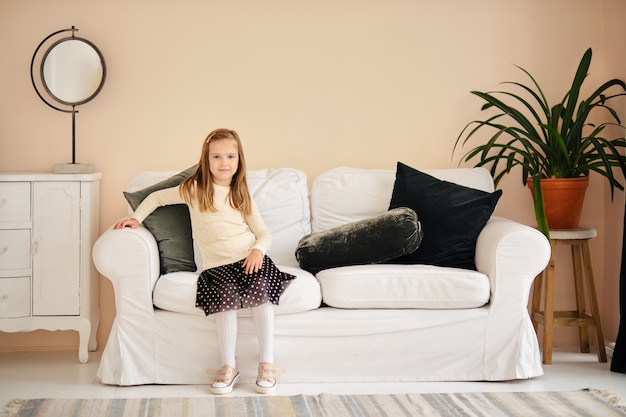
328 345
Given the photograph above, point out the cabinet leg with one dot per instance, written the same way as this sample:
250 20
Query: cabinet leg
84 334
93 342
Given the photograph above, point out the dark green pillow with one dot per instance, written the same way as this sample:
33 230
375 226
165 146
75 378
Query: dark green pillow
170 225
452 217
373 240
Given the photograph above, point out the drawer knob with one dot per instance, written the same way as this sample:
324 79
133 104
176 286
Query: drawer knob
4 250
3 201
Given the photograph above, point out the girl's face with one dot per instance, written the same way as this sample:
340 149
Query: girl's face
223 161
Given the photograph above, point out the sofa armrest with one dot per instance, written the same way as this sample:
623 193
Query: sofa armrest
511 255
129 258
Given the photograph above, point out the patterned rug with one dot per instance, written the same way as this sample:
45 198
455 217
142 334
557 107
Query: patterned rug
566 403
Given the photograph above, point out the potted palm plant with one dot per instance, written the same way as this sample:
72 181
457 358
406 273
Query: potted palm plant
548 141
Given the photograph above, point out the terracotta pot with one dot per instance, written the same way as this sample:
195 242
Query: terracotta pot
563 200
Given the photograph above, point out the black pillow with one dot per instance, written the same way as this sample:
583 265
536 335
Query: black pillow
373 240
452 217
170 225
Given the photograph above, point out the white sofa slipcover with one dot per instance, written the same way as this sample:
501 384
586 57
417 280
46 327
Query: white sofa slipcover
383 322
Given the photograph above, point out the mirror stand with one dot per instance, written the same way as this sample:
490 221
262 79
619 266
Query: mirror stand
72 72
73 167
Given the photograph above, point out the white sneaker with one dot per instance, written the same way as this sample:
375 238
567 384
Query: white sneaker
266 379
225 380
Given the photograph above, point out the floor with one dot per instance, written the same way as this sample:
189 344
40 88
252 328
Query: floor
59 375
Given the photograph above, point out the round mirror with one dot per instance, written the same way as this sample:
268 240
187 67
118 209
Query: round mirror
73 71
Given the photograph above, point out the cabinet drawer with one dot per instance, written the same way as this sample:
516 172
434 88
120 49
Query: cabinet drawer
14 297
15 249
14 203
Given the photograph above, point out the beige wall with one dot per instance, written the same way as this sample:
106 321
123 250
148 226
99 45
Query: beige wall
310 85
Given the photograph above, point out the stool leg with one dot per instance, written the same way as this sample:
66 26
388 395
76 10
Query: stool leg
548 309
583 332
536 302
593 300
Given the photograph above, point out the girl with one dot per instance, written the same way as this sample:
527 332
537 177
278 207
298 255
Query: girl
233 240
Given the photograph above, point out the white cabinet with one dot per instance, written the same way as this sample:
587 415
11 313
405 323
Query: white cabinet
48 224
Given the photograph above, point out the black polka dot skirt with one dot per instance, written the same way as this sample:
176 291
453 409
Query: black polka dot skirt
228 287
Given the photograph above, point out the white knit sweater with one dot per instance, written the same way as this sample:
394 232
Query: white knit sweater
224 236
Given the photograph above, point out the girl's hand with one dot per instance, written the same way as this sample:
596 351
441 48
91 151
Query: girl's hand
253 262
132 223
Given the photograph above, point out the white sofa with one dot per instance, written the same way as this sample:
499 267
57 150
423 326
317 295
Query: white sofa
383 322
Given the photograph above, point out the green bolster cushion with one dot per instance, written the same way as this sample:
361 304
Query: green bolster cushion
373 240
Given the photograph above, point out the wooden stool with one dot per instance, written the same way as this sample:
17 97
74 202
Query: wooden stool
578 239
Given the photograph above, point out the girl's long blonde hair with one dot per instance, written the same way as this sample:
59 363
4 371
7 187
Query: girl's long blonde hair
199 186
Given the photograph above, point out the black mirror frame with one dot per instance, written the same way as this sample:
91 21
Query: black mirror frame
102 63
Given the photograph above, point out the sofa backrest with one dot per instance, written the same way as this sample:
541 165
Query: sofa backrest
280 194
343 195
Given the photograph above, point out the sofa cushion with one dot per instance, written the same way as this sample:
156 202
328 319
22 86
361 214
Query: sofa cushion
403 286
374 240
452 217
170 226
343 195
282 196
177 292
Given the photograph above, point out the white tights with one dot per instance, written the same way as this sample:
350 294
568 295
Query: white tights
263 319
